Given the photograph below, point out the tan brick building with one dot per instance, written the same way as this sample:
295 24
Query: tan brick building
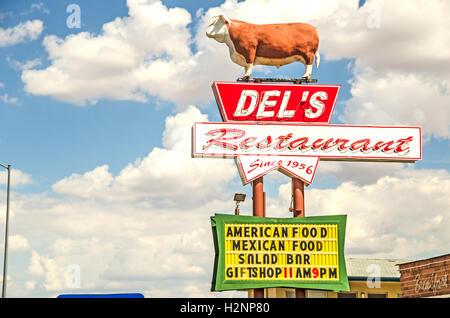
426 278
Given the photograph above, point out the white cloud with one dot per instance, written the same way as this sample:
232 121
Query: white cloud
359 172
5 98
400 54
136 231
39 7
118 246
150 223
92 183
167 176
9 100
390 36
17 65
18 177
18 243
404 215
380 33
30 285
132 58
25 31
34 266
159 243
399 98
65 266
400 71
176 260
164 252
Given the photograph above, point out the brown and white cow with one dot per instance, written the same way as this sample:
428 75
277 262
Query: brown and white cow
267 44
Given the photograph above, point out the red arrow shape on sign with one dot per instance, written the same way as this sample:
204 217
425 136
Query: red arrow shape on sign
253 167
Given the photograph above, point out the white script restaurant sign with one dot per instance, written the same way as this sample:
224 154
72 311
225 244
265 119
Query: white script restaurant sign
328 142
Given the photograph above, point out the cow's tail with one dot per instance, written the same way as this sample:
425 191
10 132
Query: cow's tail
317 56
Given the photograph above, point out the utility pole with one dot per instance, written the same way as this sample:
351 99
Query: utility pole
5 258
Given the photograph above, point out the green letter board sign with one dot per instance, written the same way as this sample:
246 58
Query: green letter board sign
259 252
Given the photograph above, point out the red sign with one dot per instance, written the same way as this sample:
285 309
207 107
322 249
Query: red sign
275 102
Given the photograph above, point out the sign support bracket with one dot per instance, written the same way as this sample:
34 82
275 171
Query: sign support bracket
277 80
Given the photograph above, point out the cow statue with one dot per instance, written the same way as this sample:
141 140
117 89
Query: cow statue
267 44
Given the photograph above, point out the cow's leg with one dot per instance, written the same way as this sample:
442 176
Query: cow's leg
248 70
309 58
308 72
250 57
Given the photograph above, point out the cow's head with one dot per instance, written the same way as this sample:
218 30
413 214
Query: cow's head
217 30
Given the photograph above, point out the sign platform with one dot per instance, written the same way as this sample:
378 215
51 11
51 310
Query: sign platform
278 80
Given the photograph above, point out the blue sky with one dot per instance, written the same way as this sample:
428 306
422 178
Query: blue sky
73 147
57 135
60 137
63 139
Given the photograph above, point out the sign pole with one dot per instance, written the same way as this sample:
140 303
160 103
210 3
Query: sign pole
298 209
298 195
258 210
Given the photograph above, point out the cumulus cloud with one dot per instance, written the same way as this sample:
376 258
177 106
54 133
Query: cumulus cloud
17 243
167 176
402 215
91 183
400 69
397 98
117 246
132 57
120 222
18 177
25 31
358 172
36 7
17 65
156 56
380 33
8 100
143 227
389 36
167 250
34 266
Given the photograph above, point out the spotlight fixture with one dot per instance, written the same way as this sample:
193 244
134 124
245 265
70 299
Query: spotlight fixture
238 198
